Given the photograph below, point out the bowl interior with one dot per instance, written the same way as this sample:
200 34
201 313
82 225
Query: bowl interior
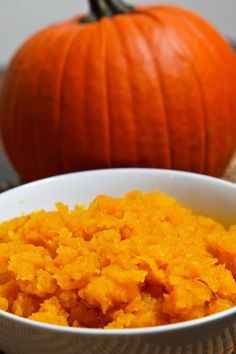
205 195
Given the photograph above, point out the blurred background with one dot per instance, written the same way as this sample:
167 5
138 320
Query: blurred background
20 18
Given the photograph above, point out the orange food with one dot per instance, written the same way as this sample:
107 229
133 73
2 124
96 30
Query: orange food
142 260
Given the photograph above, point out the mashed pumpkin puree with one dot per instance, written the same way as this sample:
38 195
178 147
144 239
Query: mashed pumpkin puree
142 260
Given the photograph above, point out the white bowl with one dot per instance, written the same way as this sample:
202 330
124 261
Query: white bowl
206 195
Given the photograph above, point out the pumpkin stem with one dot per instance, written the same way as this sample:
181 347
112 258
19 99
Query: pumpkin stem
108 8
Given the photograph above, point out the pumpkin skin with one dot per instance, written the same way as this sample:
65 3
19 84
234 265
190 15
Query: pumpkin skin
152 88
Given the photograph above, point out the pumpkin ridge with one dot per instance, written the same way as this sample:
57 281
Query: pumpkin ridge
204 131
99 118
9 90
162 90
194 71
38 143
75 138
67 52
108 103
165 120
18 124
5 124
226 86
123 46
214 55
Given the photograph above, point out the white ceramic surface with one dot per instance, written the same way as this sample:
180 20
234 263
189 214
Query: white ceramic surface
215 334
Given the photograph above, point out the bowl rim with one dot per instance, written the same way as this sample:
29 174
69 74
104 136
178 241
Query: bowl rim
119 170
169 328
166 329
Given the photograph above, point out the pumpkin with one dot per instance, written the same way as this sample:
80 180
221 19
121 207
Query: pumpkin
121 87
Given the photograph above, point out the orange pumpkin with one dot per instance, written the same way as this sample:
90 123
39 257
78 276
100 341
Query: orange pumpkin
149 87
